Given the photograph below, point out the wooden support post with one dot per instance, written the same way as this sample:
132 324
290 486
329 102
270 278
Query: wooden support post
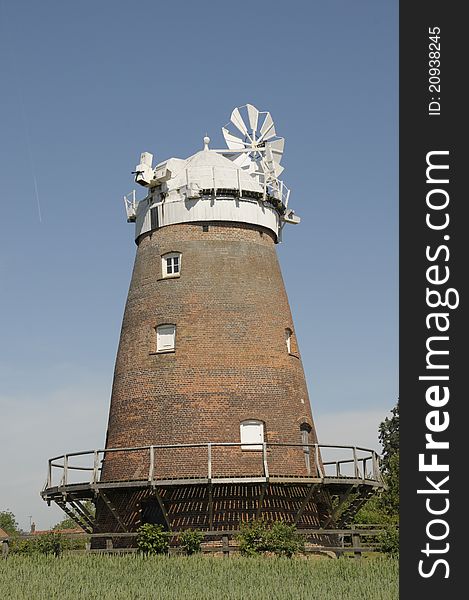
225 545
113 510
87 517
65 473
318 464
95 468
355 463
312 488
376 469
337 511
209 489
209 461
109 545
210 506
73 515
163 508
261 500
264 461
307 453
356 543
151 472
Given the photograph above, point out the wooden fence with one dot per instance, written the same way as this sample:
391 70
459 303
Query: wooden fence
356 541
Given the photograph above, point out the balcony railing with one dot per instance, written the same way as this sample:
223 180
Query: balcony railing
318 462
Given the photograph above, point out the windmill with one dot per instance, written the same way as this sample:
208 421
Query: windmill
210 422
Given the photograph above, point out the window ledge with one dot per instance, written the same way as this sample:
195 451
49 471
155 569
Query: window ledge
176 276
162 352
294 355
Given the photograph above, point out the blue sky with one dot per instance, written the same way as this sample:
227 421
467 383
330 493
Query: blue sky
86 86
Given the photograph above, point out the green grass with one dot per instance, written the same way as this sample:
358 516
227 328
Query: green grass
133 577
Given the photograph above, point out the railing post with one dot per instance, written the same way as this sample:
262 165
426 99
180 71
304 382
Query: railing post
337 468
316 458
355 463
49 475
364 461
209 461
264 460
95 467
307 453
151 471
65 477
377 467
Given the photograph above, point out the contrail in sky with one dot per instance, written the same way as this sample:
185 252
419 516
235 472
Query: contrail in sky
30 153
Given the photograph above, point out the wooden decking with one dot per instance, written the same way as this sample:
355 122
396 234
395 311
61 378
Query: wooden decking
74 478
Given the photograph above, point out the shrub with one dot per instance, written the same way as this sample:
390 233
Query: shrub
284 539
47 543
51 543
278 537
22 546
152 539
389 541
191 540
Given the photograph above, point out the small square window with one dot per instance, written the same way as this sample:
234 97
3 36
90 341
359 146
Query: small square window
171 264
205 228
165 338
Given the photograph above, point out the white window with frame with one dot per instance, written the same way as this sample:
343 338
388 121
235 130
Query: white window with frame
171 264
252 435
288 336
165 338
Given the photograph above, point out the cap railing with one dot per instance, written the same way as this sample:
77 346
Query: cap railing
354 463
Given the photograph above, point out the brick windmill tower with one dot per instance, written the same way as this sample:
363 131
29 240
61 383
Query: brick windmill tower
210 422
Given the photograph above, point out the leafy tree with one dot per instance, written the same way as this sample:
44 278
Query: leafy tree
389 438
8 522
390 498
67 523
389 541
384 509
372 512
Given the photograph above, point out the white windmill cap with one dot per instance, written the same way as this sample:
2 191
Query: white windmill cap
239 183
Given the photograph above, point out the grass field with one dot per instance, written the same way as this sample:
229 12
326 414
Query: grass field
90 577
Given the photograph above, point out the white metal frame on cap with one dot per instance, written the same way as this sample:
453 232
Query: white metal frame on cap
238 183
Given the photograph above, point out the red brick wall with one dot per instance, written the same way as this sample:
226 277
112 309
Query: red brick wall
230 364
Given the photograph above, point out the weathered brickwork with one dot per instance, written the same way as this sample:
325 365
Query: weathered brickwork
230 362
